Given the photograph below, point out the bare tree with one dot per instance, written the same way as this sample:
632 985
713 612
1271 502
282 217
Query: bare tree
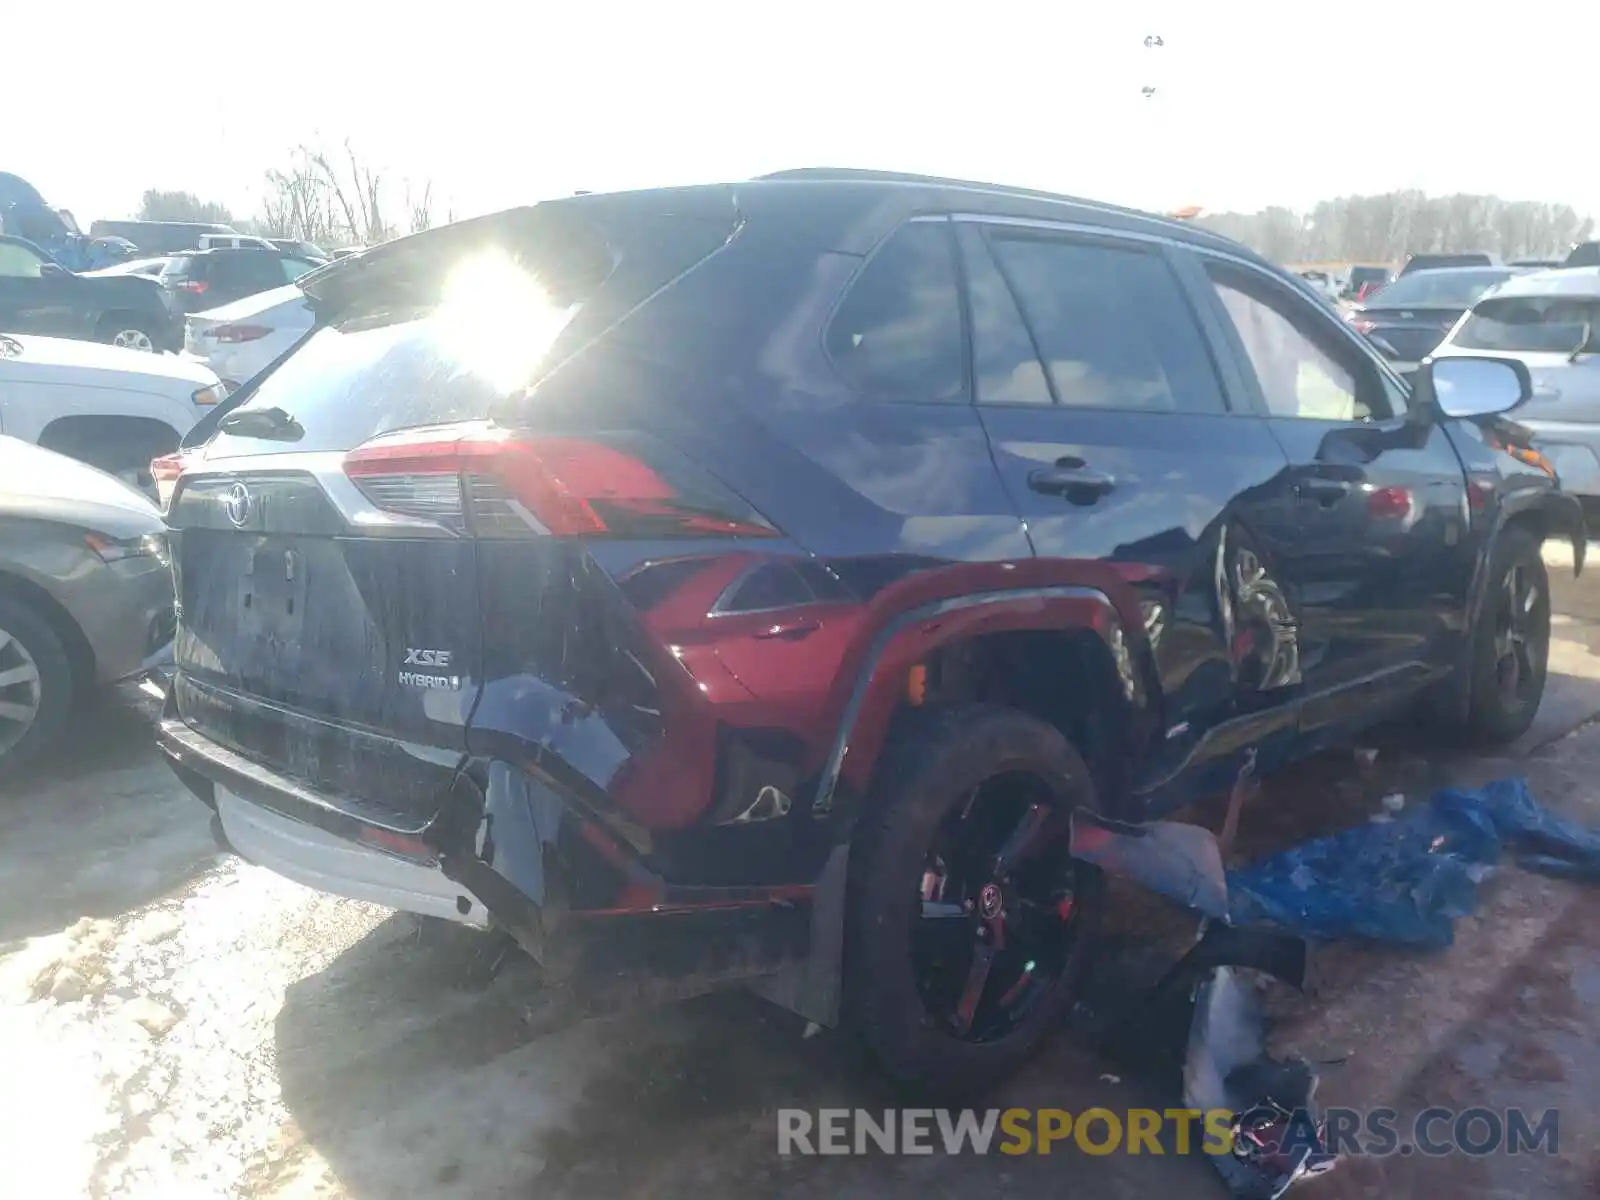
330 203
419 209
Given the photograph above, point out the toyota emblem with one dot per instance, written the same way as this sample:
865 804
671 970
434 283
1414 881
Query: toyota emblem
237 505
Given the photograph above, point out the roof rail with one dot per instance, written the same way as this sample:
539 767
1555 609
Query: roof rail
868 175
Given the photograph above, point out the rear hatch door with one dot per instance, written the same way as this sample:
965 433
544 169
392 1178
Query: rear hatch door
330 626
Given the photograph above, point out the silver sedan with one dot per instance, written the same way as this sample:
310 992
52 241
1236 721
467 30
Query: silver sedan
85 591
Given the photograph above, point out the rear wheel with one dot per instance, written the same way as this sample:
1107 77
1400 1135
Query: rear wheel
1511 643
969 923
128 331
35 685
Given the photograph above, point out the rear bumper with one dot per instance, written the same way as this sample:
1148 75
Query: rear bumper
317 859
510 855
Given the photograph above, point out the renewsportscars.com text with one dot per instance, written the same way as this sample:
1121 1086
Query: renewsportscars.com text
1376 1132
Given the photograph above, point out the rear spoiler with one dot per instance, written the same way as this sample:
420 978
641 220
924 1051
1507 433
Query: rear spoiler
408 268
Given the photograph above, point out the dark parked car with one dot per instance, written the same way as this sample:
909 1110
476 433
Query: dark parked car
753 591
206 279
1411 316
1435 262
39 296
303 249
159 237
1583 254
85 593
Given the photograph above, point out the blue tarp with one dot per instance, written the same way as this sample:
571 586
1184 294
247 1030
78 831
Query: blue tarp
1408 879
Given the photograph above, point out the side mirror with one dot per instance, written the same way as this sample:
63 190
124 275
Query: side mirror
53 271
1473 387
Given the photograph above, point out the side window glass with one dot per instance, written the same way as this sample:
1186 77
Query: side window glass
1112 325
1302 369
897 334
18 262
1006 368
293 268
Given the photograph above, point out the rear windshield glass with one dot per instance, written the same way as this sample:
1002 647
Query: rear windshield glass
1438 289
1557 324
426 348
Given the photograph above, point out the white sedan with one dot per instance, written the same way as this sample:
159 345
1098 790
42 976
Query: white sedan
241 338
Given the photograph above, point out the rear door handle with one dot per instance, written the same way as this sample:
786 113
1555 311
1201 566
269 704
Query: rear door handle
1072 478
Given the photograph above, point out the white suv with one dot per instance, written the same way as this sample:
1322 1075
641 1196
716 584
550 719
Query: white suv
112 408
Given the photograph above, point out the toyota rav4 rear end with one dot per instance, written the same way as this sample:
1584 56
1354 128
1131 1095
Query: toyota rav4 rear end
449 628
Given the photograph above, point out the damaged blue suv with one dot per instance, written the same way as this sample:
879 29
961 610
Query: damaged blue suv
743 584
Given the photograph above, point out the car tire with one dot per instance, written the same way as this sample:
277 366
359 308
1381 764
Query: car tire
965 768
131 332
1510 641
30 646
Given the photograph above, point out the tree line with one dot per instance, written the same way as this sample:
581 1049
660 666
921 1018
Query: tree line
1386 228
331 200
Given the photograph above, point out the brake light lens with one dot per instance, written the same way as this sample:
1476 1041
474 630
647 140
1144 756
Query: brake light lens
165 471
193 286
233 334
495 483
1360 323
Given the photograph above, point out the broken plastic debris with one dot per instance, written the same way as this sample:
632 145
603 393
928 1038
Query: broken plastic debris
1366 755
1278 1137
1406 879
1110 1078
1172 859
1394 802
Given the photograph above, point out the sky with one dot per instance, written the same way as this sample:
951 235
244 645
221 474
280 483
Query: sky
501 102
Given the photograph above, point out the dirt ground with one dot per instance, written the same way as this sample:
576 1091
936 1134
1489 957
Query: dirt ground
175 1024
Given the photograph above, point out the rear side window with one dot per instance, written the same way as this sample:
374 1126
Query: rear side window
897 334
1111 324
1532 324
177 268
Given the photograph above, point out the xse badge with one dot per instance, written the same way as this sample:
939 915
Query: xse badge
438 659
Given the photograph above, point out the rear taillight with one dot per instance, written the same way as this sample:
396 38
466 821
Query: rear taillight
236 333
494 483
165 471
194 286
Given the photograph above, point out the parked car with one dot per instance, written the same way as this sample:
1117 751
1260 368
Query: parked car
115 409
1411 316
1435 262
745 583
160 237
38 296
1328 286
206 279
1366 280
1583 254
85 592
240 339
1536 264
150 268
302 249
1550 321
234 241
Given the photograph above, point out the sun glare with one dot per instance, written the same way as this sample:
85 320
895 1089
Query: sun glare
497 319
